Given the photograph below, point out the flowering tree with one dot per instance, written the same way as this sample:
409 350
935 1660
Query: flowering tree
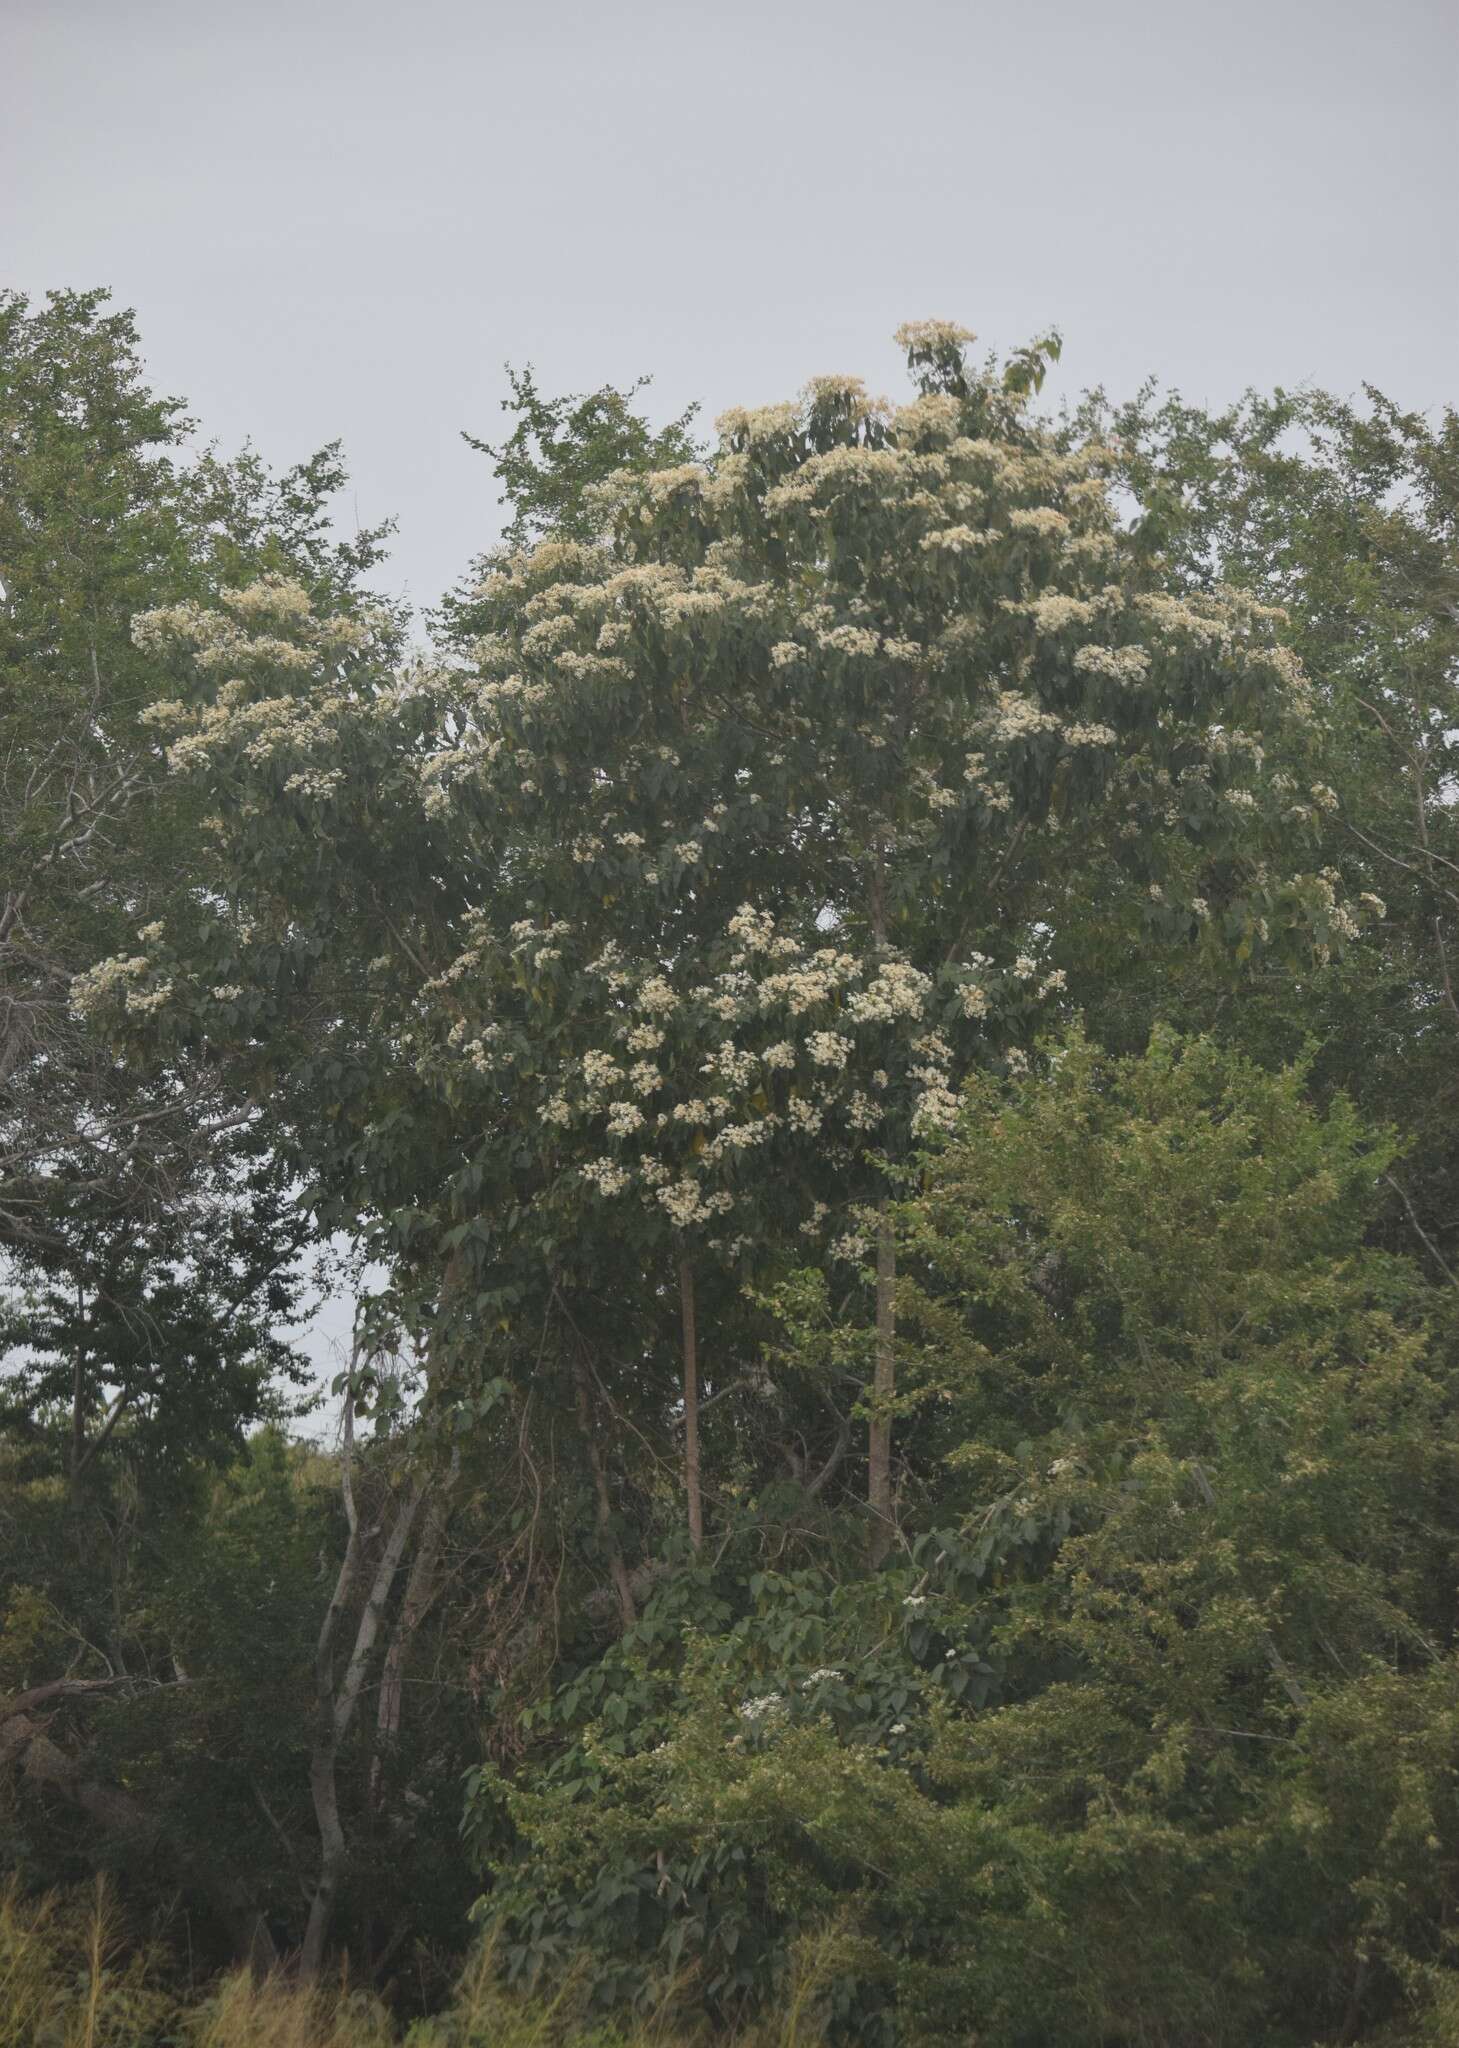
748 830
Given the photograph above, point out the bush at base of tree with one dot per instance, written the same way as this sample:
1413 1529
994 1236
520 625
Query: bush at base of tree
1150 1738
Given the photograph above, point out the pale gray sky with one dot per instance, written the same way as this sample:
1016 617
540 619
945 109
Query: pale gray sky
339 217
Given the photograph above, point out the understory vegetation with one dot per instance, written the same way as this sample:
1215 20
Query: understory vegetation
867 1010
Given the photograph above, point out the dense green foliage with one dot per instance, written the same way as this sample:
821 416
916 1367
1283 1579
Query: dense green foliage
883 1004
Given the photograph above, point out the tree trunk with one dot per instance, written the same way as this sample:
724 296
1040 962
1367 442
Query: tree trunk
420 1593
883 1388
627 1606
335 1704
692 1490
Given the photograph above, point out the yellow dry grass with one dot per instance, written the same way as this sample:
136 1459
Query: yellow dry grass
68 1979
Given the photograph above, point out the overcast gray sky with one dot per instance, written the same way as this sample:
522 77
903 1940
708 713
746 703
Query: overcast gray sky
339 217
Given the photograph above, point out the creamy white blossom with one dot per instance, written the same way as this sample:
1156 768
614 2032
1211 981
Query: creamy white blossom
829 1048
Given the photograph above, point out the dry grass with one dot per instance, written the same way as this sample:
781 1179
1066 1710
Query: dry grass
68 1980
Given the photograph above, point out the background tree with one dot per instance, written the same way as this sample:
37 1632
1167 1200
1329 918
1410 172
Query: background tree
1347 515
145 1223
149 1232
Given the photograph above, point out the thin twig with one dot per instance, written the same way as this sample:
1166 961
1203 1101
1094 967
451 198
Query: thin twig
1439 1260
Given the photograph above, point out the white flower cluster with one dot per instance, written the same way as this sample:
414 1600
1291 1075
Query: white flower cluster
1178 617
959 540
686 1203
1055 612
100 985
143 1001
1018 718
733 1064
1120 664
917 336
607 1176
897 989
656 995
1044 520
829 1048
600 1070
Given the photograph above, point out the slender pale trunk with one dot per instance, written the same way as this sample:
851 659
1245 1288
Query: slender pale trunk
627 1607
420 1592
78 1404
692 1490
337 1701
